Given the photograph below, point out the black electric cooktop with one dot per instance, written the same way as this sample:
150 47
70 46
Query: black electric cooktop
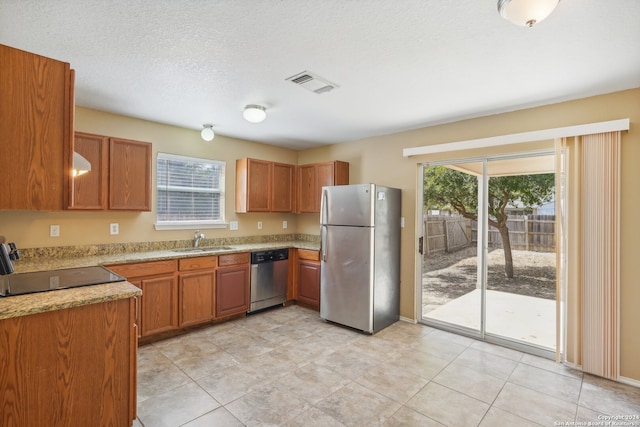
42 281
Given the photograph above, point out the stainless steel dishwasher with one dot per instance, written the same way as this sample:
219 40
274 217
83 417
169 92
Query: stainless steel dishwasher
269 273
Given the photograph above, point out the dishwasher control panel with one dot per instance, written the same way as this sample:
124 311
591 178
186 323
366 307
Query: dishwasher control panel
269 256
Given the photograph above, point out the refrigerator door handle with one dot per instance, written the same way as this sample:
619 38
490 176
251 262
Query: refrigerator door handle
324 214
324 209
323 243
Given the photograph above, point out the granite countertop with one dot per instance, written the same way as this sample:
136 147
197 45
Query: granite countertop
53 263
22 305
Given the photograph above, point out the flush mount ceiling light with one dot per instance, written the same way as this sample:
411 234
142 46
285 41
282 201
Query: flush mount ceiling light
254 113
526 13
207 133
80 165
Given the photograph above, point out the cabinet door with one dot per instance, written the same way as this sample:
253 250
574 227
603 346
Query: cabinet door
307 189
232 290
89 190
159 305
282 188
71 366
196 297
309 282
36 122
253 185
258 179
324 175
129 175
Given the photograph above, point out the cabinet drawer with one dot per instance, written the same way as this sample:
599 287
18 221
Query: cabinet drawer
144 268
308 254
233 259
197 263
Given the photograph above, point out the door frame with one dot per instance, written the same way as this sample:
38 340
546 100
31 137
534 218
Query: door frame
482 253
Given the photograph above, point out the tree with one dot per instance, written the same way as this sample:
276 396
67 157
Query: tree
445 188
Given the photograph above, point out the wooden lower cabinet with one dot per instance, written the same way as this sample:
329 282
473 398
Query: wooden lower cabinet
196 287
159 305
196 297
188 291
70 366
232 290
309 282
159 301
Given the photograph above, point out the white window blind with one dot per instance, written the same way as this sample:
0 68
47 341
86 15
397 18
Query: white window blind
190 191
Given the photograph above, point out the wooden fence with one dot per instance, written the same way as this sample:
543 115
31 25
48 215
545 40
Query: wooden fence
526 232
446 233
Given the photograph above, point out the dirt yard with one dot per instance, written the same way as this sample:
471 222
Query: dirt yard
449 276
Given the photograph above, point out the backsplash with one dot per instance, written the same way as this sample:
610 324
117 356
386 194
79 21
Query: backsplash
122 248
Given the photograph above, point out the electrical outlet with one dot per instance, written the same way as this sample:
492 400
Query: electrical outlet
285 224
401 222
54 231
259 225
54 282
233 225
114 228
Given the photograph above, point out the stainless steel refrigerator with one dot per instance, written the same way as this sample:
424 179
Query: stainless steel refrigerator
360 256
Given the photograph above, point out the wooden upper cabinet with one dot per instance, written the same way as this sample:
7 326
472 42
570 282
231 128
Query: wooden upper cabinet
253 185
282 188
129 175
311 179
36 119
90 190
307 189
120 176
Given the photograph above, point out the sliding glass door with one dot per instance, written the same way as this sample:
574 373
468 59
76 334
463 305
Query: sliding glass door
521 257
489 252
452 277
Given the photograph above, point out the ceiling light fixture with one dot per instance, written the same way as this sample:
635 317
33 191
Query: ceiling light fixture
207 133
526 13
80 165
254 113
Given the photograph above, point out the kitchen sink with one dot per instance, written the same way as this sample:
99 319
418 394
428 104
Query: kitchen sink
204 249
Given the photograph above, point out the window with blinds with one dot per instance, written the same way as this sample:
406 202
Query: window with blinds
190 191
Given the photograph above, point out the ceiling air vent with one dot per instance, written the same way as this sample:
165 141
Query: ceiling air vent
312 82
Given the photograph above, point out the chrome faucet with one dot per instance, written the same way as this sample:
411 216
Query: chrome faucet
197 236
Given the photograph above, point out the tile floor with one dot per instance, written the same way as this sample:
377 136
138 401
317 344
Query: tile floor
286 367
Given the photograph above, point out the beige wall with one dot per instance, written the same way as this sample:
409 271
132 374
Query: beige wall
376 160
380 160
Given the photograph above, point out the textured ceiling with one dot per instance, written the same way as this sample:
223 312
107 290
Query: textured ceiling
399 64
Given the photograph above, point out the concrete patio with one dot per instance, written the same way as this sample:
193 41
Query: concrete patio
524 318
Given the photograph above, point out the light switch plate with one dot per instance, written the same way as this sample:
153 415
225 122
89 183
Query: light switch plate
233 225
259 225
401 222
